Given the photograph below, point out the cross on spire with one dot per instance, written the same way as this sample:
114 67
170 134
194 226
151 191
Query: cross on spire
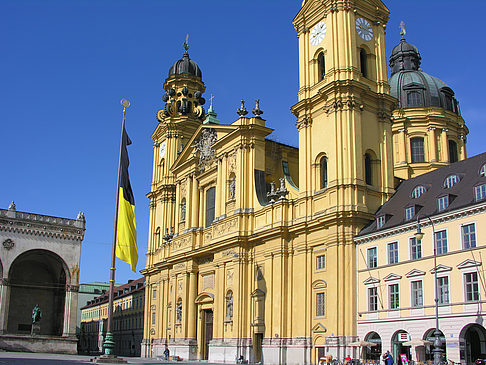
402 29
186 43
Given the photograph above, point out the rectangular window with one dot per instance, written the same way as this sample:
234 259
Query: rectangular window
409 213
393 253
469 236
415 249
471 286
210 203
321 262
417 294
480 192
393 296
154 294
441 242
443 202
372 258
417 149
372 299
153 318
320 304
443 289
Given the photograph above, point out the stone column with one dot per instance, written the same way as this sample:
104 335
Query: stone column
403 147
191 306
432 144
4 302
70 310
444 145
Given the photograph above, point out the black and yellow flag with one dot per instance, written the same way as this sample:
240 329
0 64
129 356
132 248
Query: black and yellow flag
126 234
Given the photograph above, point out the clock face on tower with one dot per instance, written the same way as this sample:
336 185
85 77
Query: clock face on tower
163 147
317 33
364 29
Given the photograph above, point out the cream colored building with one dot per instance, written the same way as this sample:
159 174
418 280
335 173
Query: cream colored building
395 280
250 248
128 314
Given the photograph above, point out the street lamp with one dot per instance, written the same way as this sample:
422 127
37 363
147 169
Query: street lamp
437 343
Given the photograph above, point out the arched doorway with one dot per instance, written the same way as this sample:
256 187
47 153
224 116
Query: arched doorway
373 352
37 277
398 348
473 342
430 336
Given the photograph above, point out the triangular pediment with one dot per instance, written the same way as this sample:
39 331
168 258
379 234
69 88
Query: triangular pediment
415 272
441 268
319 328
319 284
392 276
371 280
468 263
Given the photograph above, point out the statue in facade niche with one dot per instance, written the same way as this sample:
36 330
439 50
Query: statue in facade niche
179 312
36 314
229 306
232 188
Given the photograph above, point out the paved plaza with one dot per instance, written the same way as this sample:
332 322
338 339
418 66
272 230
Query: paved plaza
26 358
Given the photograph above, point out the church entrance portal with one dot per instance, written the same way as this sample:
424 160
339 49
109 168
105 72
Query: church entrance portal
208 331
37 277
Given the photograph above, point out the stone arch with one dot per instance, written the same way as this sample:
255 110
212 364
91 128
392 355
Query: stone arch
430 336
397 347
319 64
373 352
472 339
37 277
371 168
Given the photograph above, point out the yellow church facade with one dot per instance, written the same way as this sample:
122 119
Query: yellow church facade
251 251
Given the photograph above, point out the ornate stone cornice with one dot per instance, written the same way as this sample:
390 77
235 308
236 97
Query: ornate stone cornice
41 225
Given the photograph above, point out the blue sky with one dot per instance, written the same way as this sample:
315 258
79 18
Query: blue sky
65 65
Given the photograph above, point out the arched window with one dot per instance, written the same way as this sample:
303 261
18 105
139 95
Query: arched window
321 66
414 99
368 173
418 191
450 181
417 149
157 237
210 203
452 151
363 61
482 171
323 172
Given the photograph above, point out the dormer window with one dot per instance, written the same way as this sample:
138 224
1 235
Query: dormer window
380 221
410 212
418 191
482 171
450 181
414 99
480 192
443 202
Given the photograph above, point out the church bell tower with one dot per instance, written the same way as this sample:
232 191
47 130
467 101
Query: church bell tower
344 108
182 114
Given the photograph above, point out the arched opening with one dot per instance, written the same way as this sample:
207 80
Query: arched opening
373 353
398 348
363 62
229 305
232 186
417 151
368 170
157 238
37 277
323 172
453 157
430 336
321 67
472 340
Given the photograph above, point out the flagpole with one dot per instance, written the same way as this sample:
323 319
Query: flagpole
109 343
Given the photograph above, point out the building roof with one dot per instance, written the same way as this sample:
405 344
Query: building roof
120 291
461 194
